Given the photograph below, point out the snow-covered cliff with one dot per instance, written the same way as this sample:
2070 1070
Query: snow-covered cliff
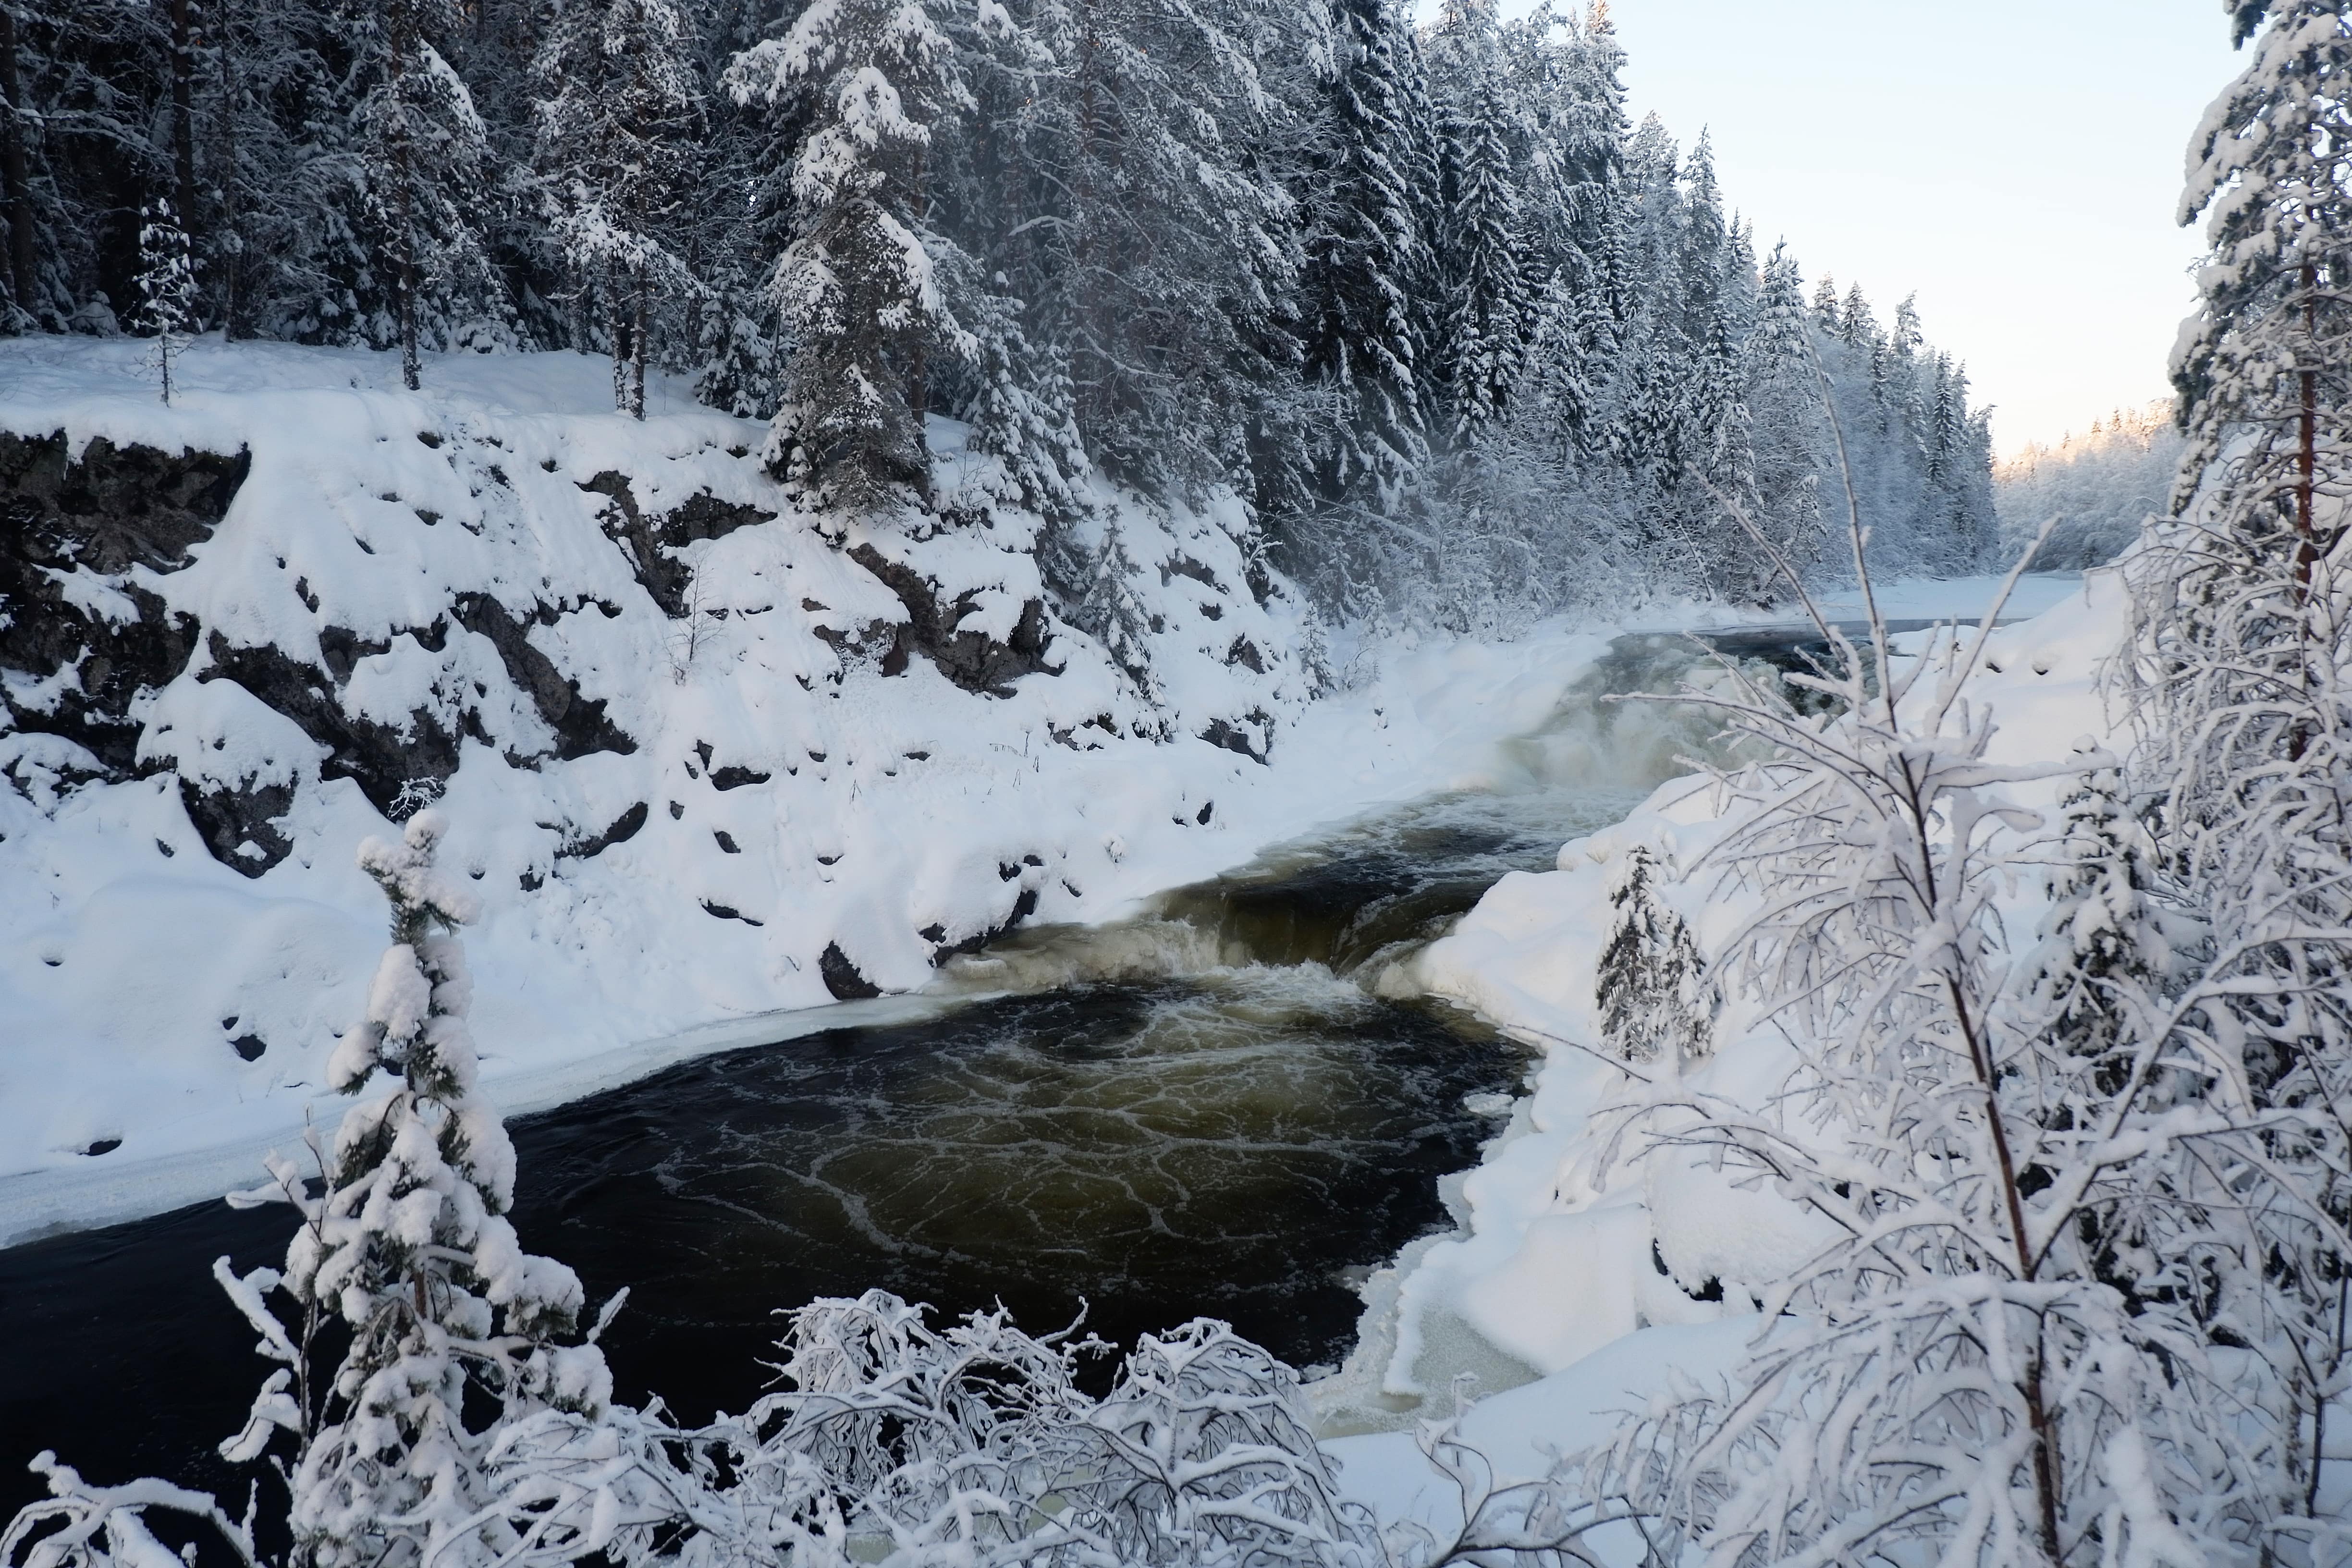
703 754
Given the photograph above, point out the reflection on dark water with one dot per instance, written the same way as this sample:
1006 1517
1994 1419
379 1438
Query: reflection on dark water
1222 1146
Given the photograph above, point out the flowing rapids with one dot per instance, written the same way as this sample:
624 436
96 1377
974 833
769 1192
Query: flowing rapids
1228 1107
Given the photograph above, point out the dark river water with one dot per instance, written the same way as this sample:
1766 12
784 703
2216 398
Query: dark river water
1211 1112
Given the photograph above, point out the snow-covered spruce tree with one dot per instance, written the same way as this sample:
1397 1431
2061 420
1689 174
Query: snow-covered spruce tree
616 123
422 151
409 1247
859 287
1651 987
1488 301
1366 204
167 285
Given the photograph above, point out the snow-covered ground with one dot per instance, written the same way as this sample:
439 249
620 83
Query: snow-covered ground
1566 1283
759 789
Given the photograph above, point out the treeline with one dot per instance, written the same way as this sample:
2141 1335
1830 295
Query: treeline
2096 490
1471 344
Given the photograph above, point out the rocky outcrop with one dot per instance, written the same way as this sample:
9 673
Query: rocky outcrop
653 540
972 659
80 636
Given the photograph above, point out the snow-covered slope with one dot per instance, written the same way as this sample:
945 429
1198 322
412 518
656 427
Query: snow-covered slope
705 757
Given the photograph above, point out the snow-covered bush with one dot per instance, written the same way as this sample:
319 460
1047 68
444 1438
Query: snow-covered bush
2005 1350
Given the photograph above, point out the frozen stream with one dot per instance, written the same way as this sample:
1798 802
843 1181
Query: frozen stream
1230 1107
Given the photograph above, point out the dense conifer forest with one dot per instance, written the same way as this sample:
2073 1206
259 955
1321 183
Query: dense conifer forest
1471 344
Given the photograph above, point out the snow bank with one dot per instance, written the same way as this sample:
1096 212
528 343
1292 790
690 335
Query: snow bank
1562 1255
710 762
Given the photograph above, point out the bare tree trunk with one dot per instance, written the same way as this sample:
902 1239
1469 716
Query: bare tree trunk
184 120
637 346
232 262
616 336
398 45
15 184
2306 552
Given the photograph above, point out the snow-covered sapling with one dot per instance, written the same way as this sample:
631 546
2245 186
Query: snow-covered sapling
1654 996
408 1243
167 284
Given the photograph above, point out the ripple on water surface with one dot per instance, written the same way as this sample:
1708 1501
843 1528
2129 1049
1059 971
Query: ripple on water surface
1225 1144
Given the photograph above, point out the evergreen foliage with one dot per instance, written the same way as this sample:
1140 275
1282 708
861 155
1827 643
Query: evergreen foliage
453 1331
1651 987
1470 345
614 150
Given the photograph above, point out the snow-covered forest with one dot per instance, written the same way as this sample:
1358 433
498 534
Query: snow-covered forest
2096 490
1053 454
1471 346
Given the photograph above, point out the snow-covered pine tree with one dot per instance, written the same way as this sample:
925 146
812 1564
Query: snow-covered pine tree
617 123
1782 395
858 287
2242 654
2102 939
1857 325
422 151
167 285
1656 1002
408 1243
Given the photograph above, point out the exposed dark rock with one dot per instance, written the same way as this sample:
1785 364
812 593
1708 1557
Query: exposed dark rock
1185 566
725 913
842 977
973 661
104 1146
1245 651
382 760
726 841
1023 906
624 828
227 819
1233 738
653 541
342 651
735 778
116 507
580 724
249 1047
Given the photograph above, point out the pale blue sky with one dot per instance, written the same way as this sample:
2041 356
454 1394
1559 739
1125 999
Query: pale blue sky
2015 161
